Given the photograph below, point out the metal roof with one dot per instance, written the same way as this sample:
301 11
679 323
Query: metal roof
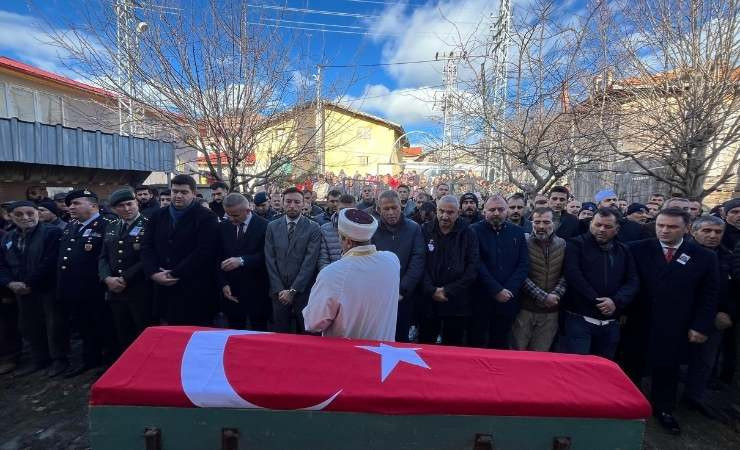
38 143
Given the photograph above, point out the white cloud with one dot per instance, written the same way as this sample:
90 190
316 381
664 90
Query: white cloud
423 31
404 106
27 39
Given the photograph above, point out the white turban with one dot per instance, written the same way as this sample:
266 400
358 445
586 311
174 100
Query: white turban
357 225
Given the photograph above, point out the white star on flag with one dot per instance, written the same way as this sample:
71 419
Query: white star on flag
391 356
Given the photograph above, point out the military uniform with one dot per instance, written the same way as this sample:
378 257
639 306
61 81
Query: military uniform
119 257
78 287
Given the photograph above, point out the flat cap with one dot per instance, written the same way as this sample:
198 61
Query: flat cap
21 203
260 198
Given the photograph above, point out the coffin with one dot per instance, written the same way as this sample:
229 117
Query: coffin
200 388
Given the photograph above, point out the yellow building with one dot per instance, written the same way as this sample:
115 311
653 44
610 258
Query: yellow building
350 141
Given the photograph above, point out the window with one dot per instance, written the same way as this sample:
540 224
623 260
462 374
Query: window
21 104
50 108
364 133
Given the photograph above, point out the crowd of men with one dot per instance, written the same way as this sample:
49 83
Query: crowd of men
653 286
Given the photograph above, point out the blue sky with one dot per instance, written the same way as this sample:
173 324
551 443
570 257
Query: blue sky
383 34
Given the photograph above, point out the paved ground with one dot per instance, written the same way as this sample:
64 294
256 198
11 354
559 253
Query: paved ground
36 413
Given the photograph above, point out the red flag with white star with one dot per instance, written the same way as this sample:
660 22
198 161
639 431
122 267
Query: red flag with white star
199 367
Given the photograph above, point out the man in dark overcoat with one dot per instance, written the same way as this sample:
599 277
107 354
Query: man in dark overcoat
677 305
241 270
179 255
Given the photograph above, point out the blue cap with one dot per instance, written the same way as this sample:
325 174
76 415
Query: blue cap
601 195
260 198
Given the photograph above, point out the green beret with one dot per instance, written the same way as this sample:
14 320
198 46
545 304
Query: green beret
121 195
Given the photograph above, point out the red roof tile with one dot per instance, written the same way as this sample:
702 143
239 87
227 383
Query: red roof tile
18 66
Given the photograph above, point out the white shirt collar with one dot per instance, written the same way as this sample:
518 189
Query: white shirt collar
89 221
675 247
295 221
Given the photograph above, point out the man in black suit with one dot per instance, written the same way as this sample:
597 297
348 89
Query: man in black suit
242 274
677 305
178 253
219 190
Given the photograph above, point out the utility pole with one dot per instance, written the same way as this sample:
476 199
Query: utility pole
124 46
319 138
498 49
449 75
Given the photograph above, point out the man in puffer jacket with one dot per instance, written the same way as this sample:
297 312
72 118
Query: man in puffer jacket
331 248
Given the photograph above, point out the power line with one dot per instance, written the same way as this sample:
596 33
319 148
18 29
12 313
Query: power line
315 11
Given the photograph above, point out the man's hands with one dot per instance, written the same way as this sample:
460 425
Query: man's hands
697 338
227 293
722 321
606 305
230 264
285 297
19 288
504 295
164 278
439 295
551 300
115 284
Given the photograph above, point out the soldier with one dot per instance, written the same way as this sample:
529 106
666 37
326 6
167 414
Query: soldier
79 290
129 292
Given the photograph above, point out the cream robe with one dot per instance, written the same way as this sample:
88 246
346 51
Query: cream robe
357 296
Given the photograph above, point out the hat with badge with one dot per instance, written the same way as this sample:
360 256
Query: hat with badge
260 198
79 193
121 195
356 224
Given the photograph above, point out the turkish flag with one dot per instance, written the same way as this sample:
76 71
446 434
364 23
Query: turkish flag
188 366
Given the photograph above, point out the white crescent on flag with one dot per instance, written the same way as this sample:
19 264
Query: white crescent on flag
203 376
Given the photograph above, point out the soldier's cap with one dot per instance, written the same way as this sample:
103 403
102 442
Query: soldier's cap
636 207
79 193
51 206
21 203
121 195
60 196
260 198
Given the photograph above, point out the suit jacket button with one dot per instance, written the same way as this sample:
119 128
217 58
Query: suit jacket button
69 249
120 260
64 258
120 242
71 240
64 267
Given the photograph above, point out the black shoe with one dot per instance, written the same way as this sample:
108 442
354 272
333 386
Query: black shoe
74 371
707 411
33 368
57 368
668 422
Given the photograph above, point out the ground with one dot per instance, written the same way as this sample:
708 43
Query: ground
37 413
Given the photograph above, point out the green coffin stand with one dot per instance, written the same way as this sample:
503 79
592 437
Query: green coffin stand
124 427
183 388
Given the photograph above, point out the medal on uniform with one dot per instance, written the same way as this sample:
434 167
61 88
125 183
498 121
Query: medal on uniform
430 245
683 259
137 246
134 231
87 232
88 246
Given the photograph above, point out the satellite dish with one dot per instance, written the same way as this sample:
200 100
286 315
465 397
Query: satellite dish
142 27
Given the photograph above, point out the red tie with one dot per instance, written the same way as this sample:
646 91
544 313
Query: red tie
669 254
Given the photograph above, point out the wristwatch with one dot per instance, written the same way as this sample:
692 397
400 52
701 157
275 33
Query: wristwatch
292 291
241 261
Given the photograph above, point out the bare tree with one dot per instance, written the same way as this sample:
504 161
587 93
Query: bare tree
211 75
546 131
671 90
